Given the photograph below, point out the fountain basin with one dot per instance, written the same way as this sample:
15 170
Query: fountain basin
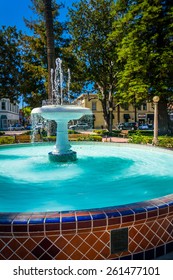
89 232
61 112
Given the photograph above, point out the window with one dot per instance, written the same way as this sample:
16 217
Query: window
3 105
144 106
94 106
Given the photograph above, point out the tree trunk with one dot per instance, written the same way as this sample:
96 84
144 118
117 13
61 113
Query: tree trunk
108 113
163 117
118 114
50 42
105 113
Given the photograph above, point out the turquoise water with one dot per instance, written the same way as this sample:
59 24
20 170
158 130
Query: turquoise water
104 175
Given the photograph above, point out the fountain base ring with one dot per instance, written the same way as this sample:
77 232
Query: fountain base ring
71 156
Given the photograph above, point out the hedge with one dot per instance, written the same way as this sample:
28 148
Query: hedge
7 140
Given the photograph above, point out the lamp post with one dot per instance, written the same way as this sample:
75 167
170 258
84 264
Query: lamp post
110 120
155 101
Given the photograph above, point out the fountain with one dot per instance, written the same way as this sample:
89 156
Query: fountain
61 113
114 202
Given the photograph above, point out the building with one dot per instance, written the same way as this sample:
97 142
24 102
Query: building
125 113
9 113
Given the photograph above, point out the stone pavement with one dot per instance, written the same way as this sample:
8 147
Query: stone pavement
115 139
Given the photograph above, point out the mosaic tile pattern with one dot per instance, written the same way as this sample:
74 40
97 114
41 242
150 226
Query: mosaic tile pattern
86 235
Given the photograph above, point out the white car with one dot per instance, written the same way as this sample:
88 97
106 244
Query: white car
16 127
143 127
79 126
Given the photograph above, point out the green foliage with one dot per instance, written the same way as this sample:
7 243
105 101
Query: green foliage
166 142
70 131
26 111
105 132
100 131
143 34
77 137
49 138
163 141
142 132
96 138
10 63
85 137
7 140
90 24
2 133
140 139
143 31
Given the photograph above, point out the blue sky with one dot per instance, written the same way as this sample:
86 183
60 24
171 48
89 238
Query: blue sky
13 11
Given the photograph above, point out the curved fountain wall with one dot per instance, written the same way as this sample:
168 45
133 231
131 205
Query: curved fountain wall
135 231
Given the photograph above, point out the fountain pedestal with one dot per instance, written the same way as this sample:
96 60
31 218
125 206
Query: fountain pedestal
62 150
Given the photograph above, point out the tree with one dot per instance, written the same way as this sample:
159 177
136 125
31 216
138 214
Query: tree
50 41
45 44
143 31
10 63
90 24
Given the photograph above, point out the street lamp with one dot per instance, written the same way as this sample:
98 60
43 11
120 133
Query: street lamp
110 124
155 101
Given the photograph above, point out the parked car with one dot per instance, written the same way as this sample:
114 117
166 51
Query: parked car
28 127
16 127
79 126
143 127
128 126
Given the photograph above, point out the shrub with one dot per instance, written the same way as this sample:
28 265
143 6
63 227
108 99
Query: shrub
85 137
105 132
97 138
2 133
7 140
49 138
70 131
138 138
142 132
100 131
165 141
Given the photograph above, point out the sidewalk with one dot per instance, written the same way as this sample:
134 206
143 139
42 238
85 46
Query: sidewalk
115 139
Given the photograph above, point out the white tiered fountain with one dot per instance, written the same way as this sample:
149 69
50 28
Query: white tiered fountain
61 113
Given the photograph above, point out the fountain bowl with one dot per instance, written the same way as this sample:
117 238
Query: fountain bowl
136 230
61 112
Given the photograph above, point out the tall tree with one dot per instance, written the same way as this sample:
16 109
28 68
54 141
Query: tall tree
10 63
50 41
90 24
45 42
143 30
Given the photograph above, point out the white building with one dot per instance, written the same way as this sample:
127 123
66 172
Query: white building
9 113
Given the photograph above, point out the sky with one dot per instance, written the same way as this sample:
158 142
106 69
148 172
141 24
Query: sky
13 11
